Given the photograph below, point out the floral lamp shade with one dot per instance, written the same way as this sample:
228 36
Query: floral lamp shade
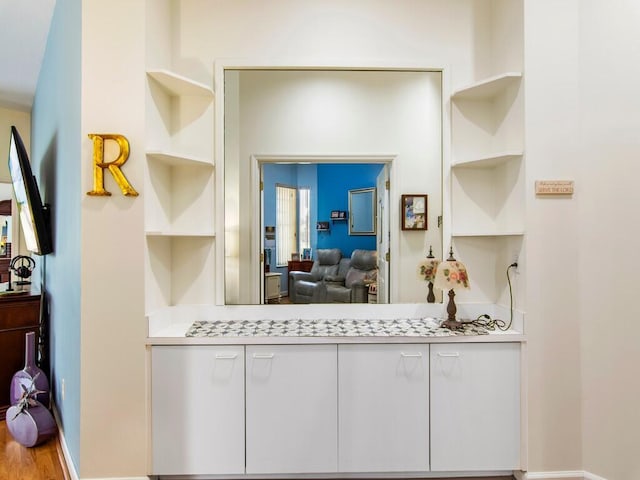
427 269
452 274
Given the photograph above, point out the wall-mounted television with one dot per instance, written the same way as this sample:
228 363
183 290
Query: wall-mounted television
34 216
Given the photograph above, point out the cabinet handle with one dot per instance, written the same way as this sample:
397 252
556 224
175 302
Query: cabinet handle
263 356
411 355
448 354
220 356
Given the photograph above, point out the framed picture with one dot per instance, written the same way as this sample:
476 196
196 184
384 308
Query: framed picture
295 256
270 232
306 254
414 212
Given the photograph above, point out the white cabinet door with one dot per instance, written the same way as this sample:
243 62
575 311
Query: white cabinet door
197 409
475 406
383 408
291 409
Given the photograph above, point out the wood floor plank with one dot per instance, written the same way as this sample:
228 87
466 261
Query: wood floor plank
22 463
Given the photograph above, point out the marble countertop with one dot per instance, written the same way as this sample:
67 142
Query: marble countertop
411 327
322 324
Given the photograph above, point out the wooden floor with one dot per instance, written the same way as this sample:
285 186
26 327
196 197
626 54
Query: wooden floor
37 463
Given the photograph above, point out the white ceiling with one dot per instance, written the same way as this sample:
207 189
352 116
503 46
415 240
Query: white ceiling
24 27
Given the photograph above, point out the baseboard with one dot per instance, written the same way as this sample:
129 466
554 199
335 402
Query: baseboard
566 475
68 466
592 476
118 478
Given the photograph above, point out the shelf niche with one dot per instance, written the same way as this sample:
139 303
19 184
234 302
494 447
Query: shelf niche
488 121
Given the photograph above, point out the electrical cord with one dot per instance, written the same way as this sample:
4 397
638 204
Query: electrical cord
491 324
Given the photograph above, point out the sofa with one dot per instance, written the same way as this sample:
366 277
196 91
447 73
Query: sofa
351 284
336 279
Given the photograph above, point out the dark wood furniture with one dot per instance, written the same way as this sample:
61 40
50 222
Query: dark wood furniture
4 269
19 314
300 265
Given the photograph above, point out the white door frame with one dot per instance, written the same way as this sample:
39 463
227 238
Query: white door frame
257 267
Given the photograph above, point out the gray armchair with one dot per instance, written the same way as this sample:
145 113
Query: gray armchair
353 286
308 287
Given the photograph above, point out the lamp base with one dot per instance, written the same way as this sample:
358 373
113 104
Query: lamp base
452 324
431 298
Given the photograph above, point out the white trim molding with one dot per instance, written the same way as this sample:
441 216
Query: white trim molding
572 475
65 449
592 476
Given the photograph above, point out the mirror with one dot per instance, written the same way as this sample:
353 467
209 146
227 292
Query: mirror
388 118
362 211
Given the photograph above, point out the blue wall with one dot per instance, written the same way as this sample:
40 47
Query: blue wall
336 181
55 156
329 184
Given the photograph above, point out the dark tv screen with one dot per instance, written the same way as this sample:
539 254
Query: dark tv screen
34 216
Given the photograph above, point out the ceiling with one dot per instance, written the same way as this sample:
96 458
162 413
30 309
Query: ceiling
24 27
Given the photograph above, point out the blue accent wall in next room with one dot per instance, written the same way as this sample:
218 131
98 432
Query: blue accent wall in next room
334 183
329 185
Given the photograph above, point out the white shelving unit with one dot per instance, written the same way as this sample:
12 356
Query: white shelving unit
179 191
488 88
487 183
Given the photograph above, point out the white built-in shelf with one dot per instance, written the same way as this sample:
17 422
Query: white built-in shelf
157 233
487 88
489 161
178 85
177 159
514 233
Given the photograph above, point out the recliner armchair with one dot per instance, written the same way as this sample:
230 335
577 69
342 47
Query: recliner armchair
353 287
308 287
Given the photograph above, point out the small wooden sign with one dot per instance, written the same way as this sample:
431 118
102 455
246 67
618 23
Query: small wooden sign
554 187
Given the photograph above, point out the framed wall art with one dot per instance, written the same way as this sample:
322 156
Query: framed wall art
414 212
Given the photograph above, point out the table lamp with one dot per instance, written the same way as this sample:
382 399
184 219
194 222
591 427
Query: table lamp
451 274
427 271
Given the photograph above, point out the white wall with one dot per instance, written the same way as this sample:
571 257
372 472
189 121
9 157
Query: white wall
569 106
349 113
609 258
114 410
553 316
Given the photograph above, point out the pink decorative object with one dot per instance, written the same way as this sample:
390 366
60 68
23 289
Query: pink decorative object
29 375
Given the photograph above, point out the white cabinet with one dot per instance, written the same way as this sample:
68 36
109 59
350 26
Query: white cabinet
197 409
291 410
322 409
475 406
272 286
384 408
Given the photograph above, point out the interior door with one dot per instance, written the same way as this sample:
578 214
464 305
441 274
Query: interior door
261 236
382 235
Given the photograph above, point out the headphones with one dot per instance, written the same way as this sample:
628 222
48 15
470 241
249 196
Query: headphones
22 266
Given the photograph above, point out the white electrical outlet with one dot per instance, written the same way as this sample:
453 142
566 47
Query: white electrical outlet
514 260
62 389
